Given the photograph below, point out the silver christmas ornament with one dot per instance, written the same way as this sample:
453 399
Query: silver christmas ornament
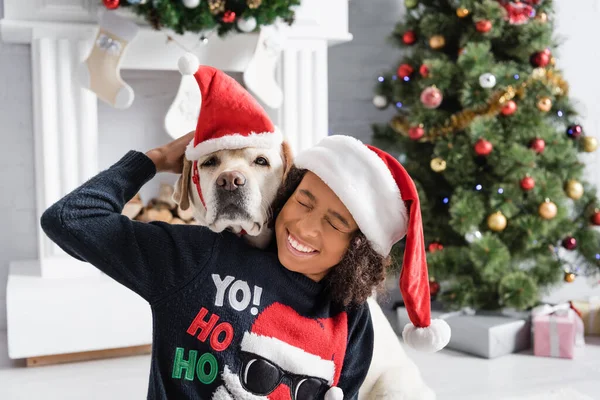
191 3
246 24
380 101
487 81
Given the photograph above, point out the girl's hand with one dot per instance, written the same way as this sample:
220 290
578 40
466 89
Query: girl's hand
169 158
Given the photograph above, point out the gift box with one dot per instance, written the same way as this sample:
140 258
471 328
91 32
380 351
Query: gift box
590 314
557 331
484 334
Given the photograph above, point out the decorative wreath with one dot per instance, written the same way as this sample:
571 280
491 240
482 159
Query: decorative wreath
202 16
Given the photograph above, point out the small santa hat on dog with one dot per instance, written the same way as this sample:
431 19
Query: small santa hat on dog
384 202
230 118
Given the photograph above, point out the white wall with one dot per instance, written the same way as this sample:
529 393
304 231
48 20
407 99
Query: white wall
354 68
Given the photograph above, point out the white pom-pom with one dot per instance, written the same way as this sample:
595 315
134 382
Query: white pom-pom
188 64
335 393
431 339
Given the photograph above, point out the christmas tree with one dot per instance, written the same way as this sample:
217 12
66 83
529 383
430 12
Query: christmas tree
485 127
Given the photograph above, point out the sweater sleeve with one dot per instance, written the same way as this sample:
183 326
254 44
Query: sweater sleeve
359 352
152 259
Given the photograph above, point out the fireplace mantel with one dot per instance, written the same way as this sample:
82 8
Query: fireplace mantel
79 308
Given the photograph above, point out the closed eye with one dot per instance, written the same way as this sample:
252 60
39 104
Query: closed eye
302 204
211 162
333 226
262 161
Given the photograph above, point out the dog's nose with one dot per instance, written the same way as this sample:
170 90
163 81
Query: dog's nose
231 180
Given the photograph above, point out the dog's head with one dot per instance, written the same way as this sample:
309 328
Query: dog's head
237 187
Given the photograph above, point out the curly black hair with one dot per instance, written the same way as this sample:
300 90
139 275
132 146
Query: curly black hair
362 270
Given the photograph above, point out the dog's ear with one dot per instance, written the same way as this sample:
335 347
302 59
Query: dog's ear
181 196
288 158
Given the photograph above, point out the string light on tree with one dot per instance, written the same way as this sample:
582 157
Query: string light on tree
547 210
483 147
544 104
574 131
437 42
569 243
497 222
416 132
538 145
141 1
409 38
431 97
438 164
487 80
589 144
509 108
483 26
111 4
574 189
527 183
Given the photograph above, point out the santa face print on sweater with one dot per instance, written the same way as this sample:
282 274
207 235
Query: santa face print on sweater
287 357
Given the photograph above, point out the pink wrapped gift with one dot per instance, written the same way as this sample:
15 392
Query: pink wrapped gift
557 331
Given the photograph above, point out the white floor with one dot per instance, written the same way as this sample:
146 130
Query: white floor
452 375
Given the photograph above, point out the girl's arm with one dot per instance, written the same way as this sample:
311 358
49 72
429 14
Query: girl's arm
152 259
359 352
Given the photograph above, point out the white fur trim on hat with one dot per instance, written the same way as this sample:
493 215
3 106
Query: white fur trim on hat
288 357
188 64
431 339
374 199
264 140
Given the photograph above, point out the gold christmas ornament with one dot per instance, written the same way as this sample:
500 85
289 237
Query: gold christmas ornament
569 277
574 189
461 120
552 61
462 12
545 104
254 3
589 144
542 17
437 42
216 6
548 210
438 164
497 222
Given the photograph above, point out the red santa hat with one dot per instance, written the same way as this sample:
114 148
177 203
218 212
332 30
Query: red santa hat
384 202
230 118
300 345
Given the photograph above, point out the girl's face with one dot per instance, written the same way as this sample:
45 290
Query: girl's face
313 229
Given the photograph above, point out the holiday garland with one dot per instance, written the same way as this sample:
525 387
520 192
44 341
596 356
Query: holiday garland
202 16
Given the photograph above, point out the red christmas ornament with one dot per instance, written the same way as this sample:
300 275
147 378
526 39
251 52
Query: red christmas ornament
409 37
527 183
483 147
416 132
596 218
509 108
405 71
431 97
111 4
424 71
518 13
569 243
483 26
541 58
228 17
435 246
538 145
574 131
434 288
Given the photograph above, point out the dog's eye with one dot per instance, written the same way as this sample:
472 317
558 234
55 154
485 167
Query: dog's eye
211 162
262 161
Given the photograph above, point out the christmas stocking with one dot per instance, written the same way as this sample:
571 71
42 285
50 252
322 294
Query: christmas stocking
182 116
100 71
259 76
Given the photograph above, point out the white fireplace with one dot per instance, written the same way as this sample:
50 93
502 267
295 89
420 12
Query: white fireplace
56 304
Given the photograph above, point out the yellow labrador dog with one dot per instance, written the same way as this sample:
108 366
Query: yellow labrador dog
237 188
